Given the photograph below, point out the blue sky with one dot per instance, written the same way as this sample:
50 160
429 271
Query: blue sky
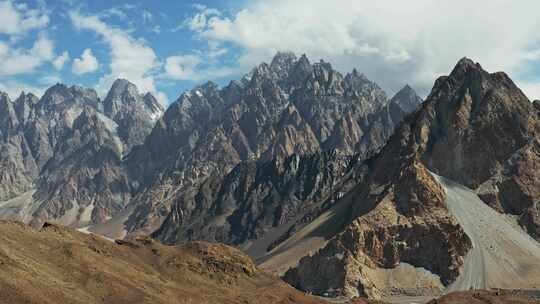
166 47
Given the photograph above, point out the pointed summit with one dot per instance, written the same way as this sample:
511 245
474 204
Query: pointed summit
407 99
282 64
464 66
283 58
122 92
121 87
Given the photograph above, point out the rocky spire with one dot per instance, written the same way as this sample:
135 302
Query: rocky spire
407 99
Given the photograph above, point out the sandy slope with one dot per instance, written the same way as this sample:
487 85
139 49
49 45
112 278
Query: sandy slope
19 208
503 255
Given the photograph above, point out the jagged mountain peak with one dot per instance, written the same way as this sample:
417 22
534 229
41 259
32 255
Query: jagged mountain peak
124 96
120 87
466 66
282 63
407 99
64 96
286 58
303 60
4 97
28 96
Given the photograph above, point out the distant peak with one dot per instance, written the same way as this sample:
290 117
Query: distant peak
407 99
210 85
284 55
406 90
303 60
464 65
466 62
323 65
283 58
4 96
120 85
356 74
28 97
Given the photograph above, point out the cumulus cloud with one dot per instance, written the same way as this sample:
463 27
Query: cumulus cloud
131 58
61 60
15 60
88 63
198 67
18 18
181 67
393 42
199 21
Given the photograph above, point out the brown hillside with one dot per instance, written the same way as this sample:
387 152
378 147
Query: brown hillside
61 265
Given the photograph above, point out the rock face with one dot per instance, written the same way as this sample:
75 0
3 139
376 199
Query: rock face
18 167
476 128
84 182
134 114
288 107
255 200
62 153
481 131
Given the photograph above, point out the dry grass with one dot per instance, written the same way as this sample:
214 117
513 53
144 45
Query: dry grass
61 265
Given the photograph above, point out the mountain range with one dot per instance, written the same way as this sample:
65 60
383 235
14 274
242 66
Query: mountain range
320 177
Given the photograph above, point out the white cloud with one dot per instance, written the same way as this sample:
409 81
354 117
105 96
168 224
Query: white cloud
131 58
182 67
17 19
199 67
156 29
200 20
15 61
50 79
531 89
59 62
147 16
393 42
86 64
114 12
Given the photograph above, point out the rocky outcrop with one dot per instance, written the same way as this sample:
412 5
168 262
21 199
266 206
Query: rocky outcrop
17 165
475 127
404 222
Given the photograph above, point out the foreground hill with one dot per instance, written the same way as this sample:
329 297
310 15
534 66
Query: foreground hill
57 264
60 265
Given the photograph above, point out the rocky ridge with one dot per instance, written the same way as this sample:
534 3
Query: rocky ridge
288 107
471 128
